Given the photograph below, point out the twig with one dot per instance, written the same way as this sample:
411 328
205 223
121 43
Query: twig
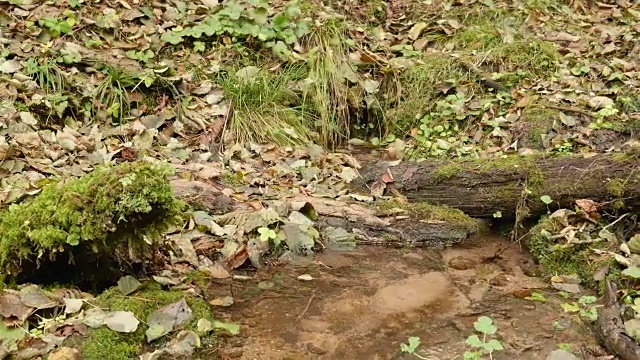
616 221
306 308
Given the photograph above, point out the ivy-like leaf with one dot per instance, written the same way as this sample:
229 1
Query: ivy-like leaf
474 341
233 10
172 37
484 324
259 15
633 272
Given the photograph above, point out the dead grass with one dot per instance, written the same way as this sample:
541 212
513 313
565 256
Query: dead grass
265 107
327 88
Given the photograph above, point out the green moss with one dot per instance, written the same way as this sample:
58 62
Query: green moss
106 214
105 344
412 94
446 172
424 211
558 259
532 55
538 122
616 187
233 179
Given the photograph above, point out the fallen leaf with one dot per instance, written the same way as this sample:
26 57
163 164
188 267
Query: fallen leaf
121 321
12 307
72 306
167 319
128 285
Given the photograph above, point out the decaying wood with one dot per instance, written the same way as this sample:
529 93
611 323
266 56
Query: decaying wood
481 188
610 328
395 231
362 221
202 195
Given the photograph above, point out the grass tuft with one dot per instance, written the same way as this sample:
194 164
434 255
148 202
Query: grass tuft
327 87
265 106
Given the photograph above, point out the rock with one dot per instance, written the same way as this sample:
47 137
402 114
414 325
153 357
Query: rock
462 263
65 353
561 355
500 280
315 349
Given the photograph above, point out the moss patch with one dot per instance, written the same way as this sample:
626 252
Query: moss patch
104 215
560 259
105 344
424 211
536 122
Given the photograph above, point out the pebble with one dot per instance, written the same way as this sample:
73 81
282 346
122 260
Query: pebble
561 355
500 280
316 349
462 263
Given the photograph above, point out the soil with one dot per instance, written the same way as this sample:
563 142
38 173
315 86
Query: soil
363 304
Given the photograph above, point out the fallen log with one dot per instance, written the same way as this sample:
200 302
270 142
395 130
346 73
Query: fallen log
403 225
481 188
609 328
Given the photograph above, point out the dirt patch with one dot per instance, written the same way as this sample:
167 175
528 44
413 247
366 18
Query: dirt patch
363 304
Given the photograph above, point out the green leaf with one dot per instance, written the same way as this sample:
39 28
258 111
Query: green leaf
233 329
570 307
546 199
73 239
587 299
633 272
259 15
472 355
292 11
494 345
281 22
411 347
233 10
172 37
280 49
474 341
198 46
484 324
266 233
303 27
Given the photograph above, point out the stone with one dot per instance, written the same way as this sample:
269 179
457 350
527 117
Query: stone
462 263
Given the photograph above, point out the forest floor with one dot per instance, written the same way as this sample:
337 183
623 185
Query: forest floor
86 84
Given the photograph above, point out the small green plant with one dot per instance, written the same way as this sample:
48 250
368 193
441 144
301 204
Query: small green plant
536 296
244 20
564 346
485 346
58 27
583 307
411 347
546 199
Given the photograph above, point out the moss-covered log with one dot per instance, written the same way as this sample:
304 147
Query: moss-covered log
113 213
381 223
480 188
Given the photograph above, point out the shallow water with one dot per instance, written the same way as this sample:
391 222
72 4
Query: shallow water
363 304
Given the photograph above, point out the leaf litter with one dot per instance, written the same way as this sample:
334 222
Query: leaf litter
53 71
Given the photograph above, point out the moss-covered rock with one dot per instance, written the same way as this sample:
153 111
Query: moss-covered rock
109 214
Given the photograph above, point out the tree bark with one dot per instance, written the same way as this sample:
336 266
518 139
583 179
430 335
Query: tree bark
610 328
480 188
